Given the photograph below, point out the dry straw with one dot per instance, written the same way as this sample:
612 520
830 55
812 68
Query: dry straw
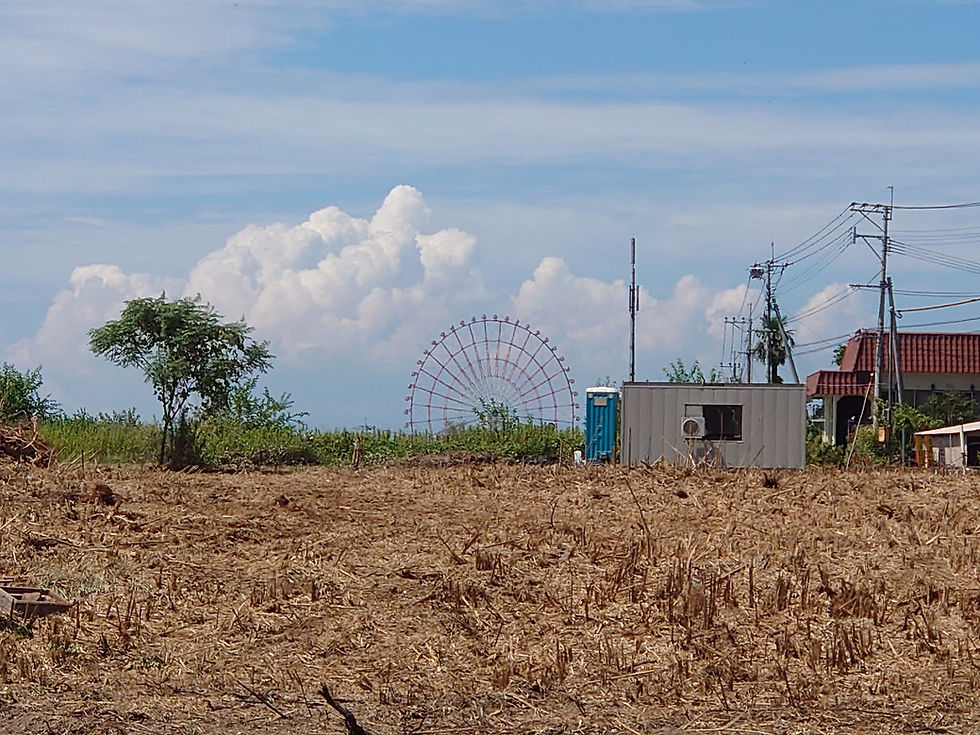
494 598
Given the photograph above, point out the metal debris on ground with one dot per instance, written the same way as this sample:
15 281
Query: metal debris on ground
27 603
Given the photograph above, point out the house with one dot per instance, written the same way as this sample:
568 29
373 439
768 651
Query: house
951 446
931 362
722 424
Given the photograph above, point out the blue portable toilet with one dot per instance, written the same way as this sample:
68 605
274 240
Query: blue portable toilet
601 409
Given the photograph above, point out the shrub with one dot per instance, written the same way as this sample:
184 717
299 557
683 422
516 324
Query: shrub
20 397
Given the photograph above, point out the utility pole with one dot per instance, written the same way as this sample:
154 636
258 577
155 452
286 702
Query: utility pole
885 211
770 361
634 307
768 333
739 325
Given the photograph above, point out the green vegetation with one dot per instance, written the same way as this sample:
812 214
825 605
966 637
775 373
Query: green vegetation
117 438
251 429
20 396
183 349
221 443
819 452
773 346
950 408
839 354
678 372
941 409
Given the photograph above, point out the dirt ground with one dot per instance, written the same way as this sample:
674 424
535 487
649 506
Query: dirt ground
493 598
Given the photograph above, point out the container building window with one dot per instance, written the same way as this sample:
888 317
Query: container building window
722 423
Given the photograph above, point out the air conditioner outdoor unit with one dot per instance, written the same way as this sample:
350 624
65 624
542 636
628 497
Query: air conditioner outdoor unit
692 427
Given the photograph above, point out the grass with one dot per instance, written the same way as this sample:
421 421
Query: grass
118 438
223 443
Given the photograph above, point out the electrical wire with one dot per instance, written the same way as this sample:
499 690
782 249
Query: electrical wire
745 295
934 294
823 305
965 205
938 238
819 235
812 351
808 274
933 257
931 230
938 306
827 341
941 324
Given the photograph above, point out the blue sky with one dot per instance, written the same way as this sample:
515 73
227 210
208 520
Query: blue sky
478 157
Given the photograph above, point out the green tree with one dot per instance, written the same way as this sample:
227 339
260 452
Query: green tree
773 346
678 372
183 349
951 408
265 411
20 396
496 415
839 354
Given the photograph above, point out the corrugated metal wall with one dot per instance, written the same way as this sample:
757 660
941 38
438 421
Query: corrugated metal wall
773 424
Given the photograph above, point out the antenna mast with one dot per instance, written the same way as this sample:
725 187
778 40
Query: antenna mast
634 307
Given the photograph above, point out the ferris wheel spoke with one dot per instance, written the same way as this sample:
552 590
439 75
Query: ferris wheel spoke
476 353
465 351
463 371
489 363
510 344
445 385
443 368
499 342
445 397
521 350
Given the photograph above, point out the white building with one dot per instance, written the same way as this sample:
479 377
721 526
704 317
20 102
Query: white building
951 446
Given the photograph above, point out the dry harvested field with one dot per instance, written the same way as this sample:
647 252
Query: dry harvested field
494 598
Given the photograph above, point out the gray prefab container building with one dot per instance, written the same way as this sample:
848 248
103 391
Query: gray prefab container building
728 425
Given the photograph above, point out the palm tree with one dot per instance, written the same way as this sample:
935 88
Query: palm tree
772 349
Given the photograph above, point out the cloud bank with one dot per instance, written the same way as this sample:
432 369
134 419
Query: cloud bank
339 295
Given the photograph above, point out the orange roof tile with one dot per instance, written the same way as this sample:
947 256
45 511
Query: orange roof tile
919 352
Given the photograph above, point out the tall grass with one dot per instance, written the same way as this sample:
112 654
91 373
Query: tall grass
217 443
117 438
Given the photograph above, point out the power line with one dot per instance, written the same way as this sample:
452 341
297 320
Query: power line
940 324
937 230
827 341
965 205
823 305
816 237
939 306
925 255
806 275
934 294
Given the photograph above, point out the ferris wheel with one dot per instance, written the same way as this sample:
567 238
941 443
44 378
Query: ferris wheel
489 371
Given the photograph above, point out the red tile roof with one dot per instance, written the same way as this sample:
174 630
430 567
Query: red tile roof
838 383
919 352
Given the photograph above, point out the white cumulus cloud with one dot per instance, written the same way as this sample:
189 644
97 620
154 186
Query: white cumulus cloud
591 320
338 282
351 296
333 285
95 294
